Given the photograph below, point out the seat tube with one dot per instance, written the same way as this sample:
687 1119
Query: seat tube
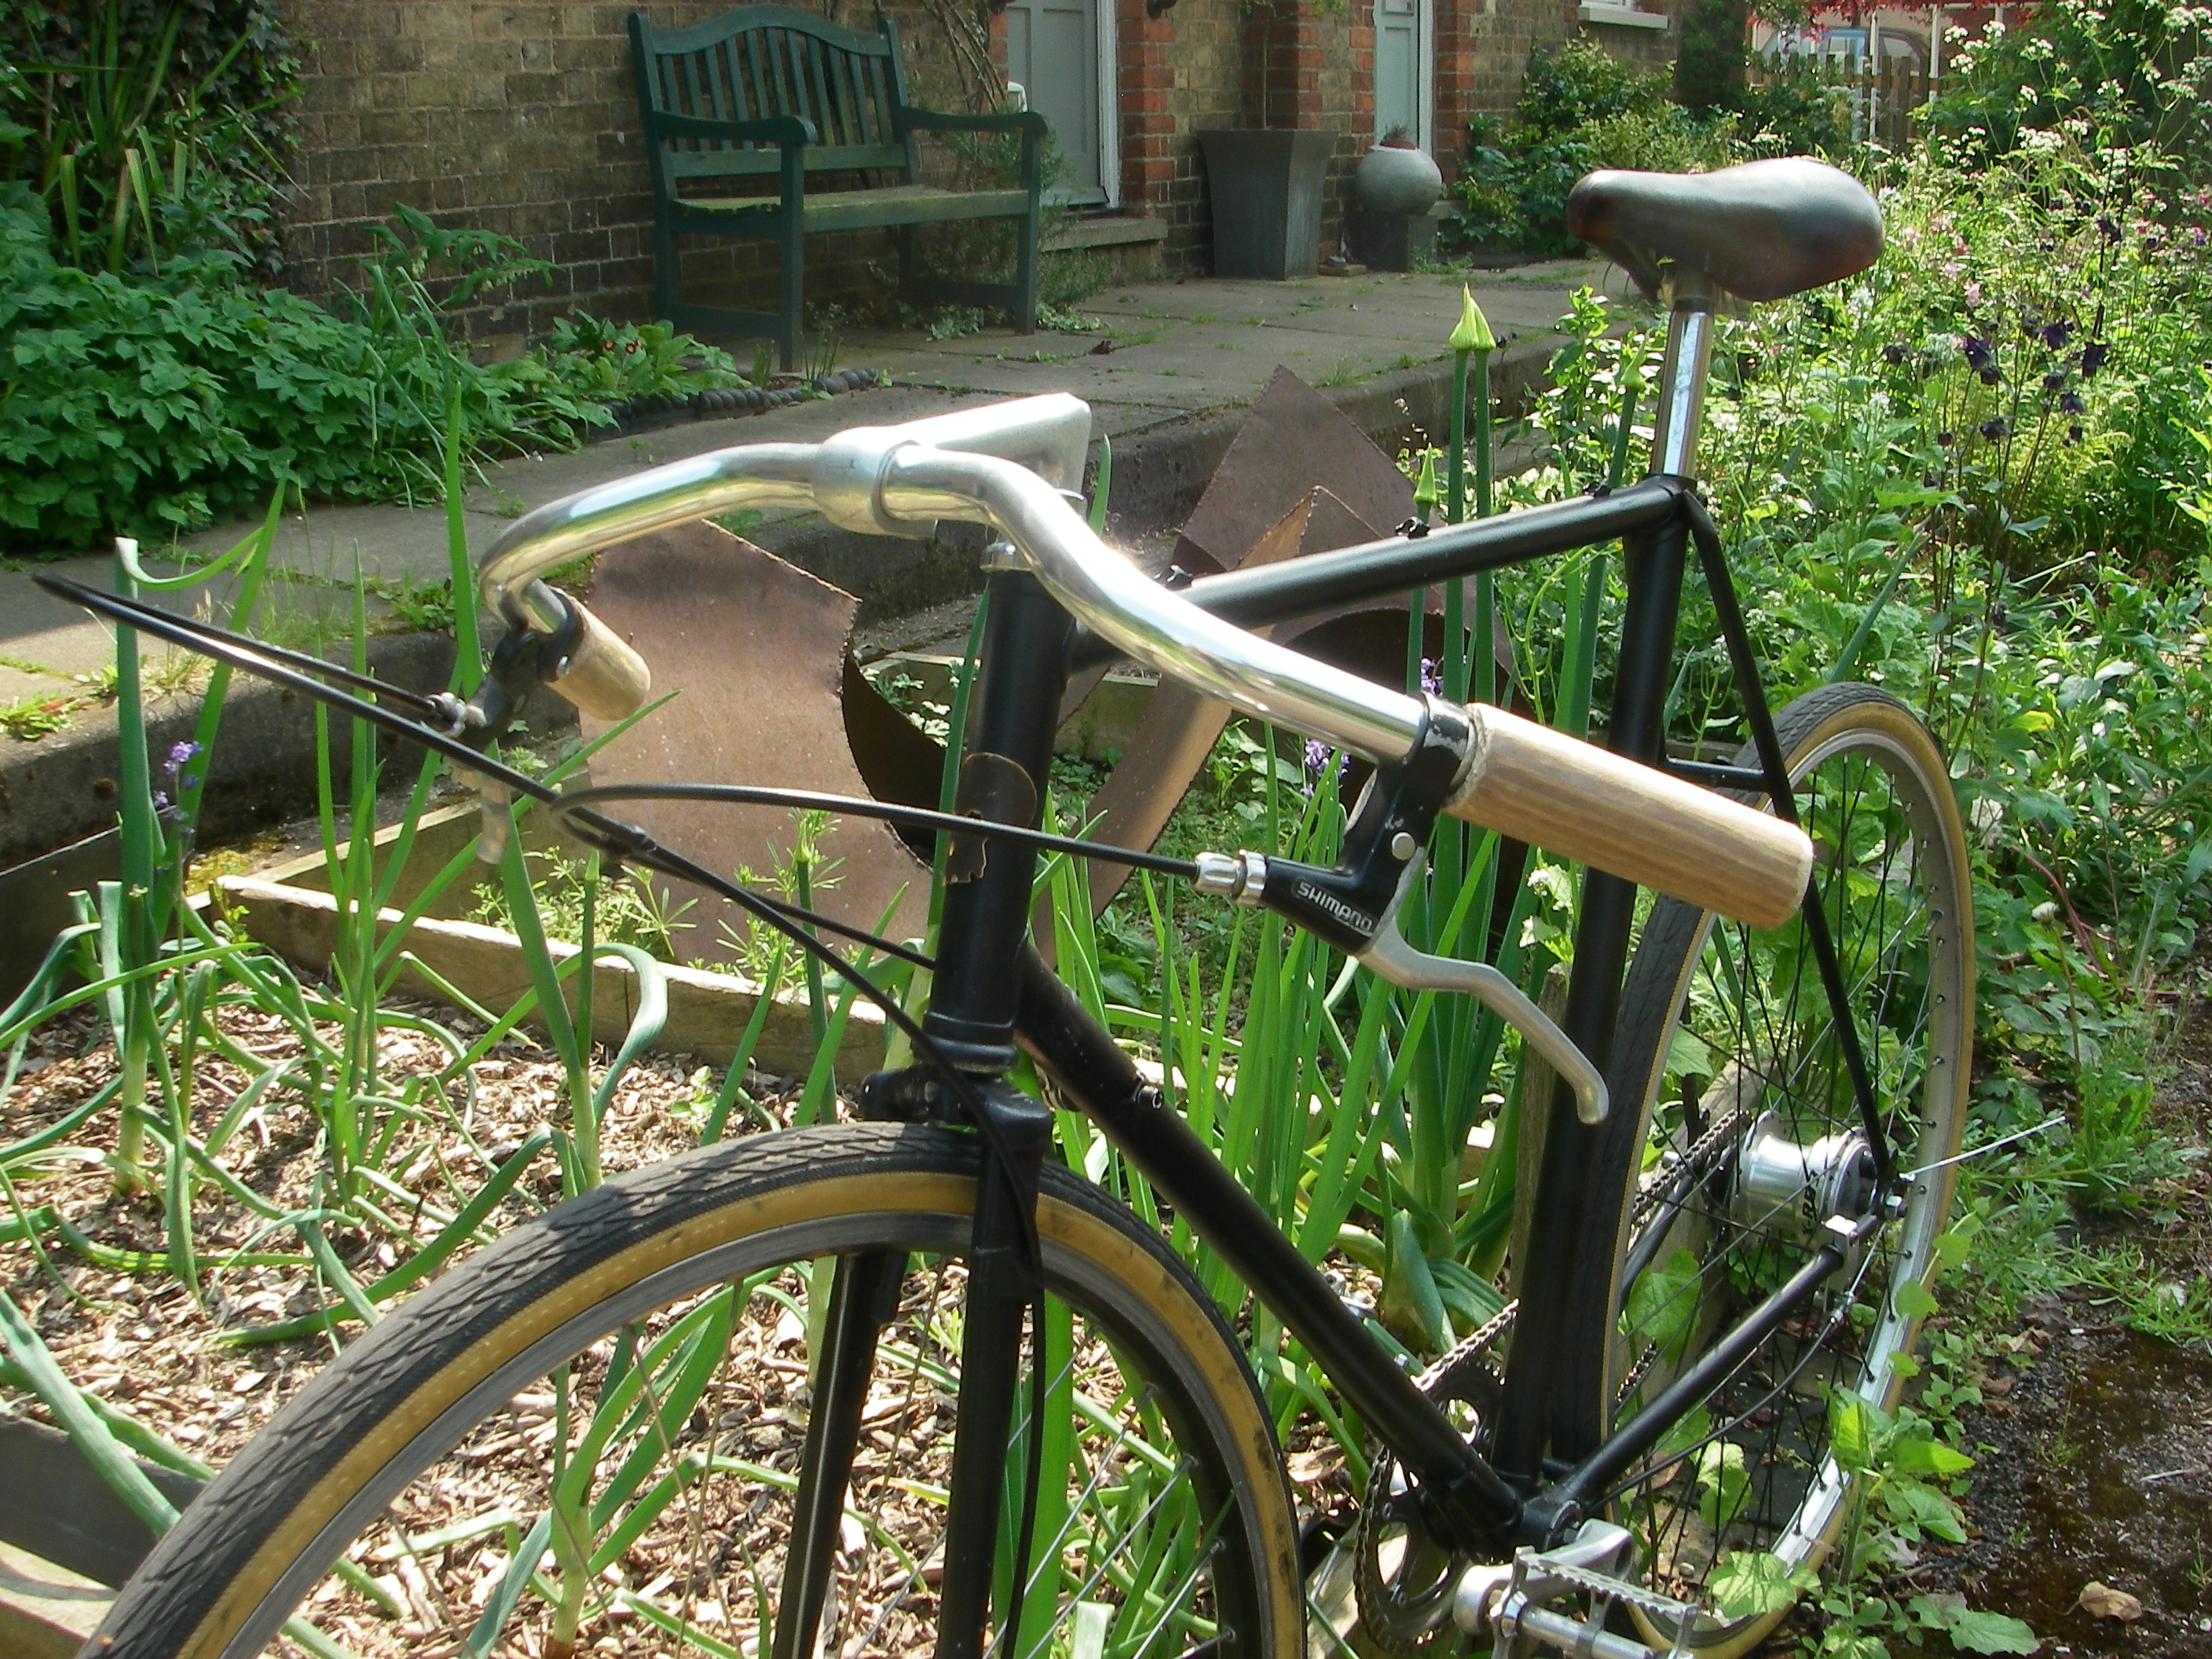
1548 1389
1691 303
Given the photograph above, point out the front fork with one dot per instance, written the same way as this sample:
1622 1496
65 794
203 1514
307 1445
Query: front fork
864 1294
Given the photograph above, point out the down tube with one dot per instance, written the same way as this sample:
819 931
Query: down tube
1061 1037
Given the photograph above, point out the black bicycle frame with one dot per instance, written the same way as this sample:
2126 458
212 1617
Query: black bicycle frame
992 989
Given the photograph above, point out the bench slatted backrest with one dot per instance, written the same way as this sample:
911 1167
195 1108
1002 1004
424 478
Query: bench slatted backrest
759 61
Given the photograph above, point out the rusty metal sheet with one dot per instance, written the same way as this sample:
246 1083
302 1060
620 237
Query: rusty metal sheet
1180 725
1293 439
755 649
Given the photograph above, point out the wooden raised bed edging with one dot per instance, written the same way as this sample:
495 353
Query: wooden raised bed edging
706 1011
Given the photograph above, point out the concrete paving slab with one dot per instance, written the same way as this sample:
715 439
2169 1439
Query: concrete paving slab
1183 352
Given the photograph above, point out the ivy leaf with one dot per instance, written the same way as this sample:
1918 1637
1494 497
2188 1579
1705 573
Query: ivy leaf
1750 1584
1992 1632
1723 1483
1915 1503
1852 1426
1842 1643
1925 1455
1914 1300
1663 1303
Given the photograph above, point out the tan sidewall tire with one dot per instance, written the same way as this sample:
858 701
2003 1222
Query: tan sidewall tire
1854 710
349 1436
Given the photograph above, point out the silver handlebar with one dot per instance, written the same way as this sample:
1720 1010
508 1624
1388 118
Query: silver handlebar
1006 465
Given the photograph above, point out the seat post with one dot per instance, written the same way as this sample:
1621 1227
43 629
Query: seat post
1691 300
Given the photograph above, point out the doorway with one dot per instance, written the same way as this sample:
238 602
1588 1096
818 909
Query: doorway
1061 53
1405 53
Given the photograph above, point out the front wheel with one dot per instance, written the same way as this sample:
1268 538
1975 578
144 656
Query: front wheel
1740 1135
593 1437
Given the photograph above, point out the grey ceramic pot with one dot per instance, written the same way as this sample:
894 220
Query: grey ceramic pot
1391 180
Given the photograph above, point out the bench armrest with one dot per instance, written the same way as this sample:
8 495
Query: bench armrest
907 119
786 130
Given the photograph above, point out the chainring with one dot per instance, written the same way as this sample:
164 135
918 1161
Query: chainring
1406 1608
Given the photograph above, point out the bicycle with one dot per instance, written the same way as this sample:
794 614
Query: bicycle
795 1363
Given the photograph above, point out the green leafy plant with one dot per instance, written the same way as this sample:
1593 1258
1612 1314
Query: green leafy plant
151 403
2126 74
1580 108
150 127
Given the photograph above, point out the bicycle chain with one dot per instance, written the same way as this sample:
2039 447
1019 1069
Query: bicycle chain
1394 1623
1467 1347
1702 1148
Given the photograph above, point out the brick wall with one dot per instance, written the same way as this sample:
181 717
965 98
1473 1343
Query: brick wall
521 119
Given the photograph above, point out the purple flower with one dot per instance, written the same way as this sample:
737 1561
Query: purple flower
1991 374
1431 681
2070 403
1995 427
179 753
161 802
2056 335
1976 349
1947 439
1321 762
2110 228
2055 381
2093 357
2198 236
1893 354
2073 433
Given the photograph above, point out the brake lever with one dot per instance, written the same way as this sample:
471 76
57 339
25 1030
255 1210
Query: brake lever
1389 957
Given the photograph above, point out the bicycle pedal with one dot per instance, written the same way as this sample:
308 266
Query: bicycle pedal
1509 1601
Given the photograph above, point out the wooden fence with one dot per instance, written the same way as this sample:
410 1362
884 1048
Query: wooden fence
1877 98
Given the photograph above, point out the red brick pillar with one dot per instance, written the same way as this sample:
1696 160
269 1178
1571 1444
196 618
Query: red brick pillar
1456 24
1360 38
1147 123
994 26
1283 65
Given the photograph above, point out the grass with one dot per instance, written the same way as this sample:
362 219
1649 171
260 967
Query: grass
28 719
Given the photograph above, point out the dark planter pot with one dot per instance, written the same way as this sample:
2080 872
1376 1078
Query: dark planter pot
1265 185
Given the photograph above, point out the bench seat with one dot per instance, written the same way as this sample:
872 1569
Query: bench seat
891 206
763 102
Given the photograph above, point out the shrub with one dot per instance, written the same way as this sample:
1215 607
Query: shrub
2118 73
147 404
149 128
1581 83
1579 109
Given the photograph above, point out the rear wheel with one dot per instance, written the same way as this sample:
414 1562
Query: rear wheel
591 1437
1740 1135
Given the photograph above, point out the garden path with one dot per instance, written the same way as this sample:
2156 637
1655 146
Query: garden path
1157 354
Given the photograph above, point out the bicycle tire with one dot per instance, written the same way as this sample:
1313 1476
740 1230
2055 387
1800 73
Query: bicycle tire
1874 792
358 1456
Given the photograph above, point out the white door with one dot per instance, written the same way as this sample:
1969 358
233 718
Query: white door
1061 53
1405 51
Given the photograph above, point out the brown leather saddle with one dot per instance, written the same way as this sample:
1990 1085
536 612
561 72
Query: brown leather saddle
1761 231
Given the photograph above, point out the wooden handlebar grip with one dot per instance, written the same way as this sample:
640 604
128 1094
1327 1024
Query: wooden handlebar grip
1587 804
604 678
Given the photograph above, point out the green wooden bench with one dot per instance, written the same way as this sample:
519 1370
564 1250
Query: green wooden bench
769 98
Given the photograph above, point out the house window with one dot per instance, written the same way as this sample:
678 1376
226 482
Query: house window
1606 13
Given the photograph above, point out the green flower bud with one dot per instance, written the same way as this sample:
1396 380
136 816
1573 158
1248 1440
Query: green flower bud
1473 333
